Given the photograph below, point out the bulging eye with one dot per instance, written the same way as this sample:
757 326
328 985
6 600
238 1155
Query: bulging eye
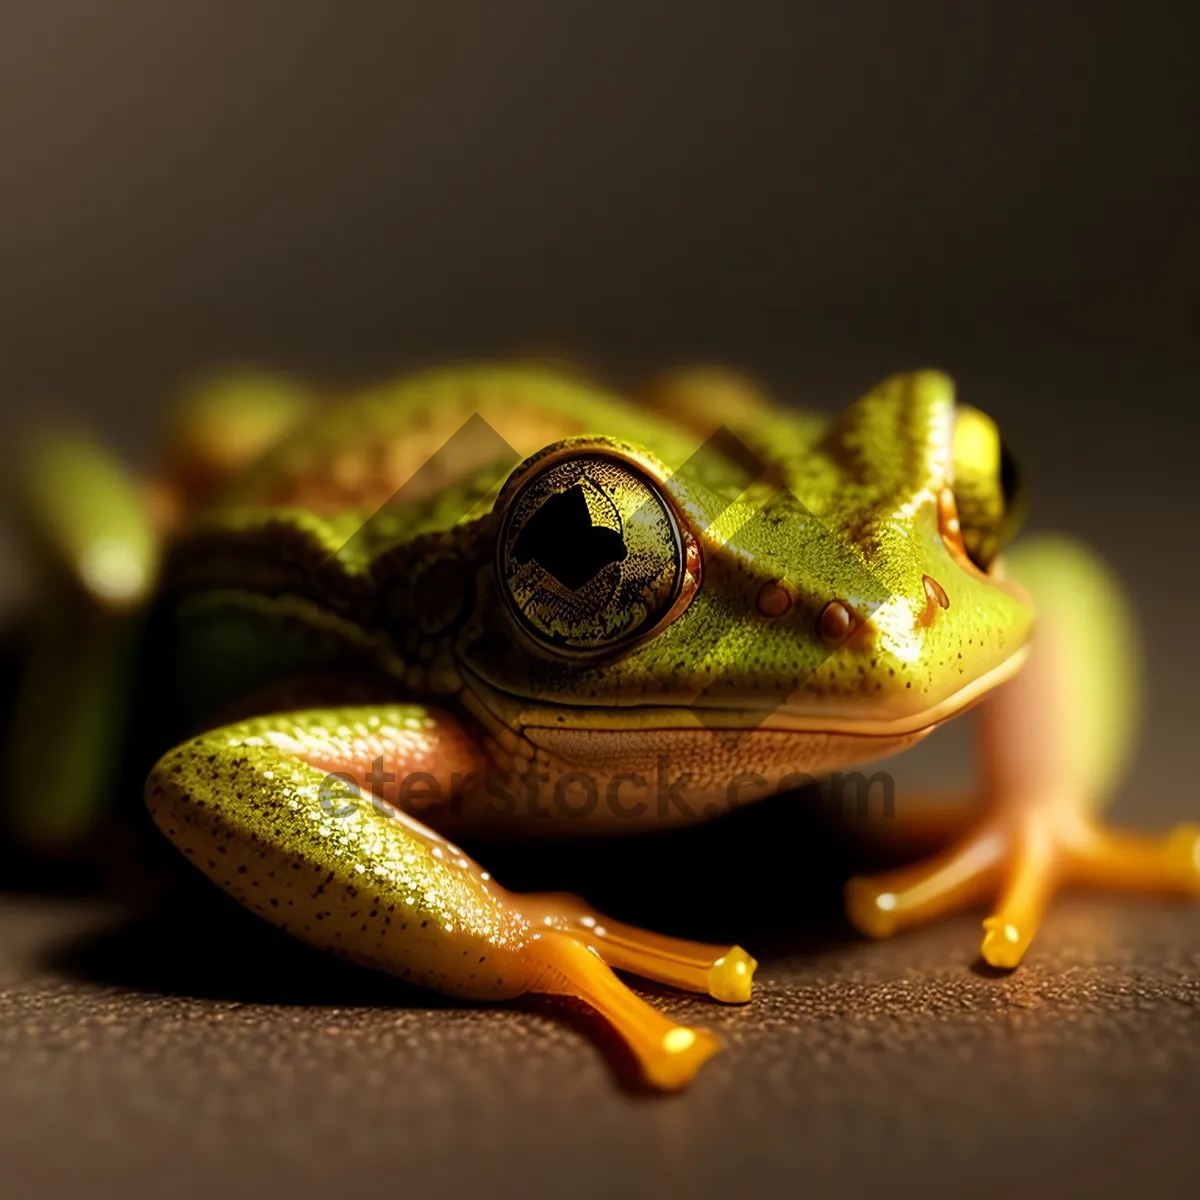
590 555
987 487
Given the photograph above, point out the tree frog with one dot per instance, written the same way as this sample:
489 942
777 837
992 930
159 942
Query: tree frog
503 598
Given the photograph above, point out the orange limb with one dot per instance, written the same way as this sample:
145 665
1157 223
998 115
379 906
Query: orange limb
1024 861
723 972
668 1054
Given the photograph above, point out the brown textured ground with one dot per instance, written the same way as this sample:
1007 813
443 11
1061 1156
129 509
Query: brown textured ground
191 1051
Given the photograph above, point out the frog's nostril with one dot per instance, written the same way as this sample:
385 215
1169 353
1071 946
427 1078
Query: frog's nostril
774 599
835 622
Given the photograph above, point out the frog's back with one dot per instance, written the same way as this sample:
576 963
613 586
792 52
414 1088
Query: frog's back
432 433
425 432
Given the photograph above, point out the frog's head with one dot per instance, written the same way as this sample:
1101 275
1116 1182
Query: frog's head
837 579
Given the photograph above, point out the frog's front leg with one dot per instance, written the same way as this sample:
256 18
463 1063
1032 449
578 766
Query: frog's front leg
1053 744
290 814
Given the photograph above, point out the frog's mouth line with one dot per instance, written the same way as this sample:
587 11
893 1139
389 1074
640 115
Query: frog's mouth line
519 714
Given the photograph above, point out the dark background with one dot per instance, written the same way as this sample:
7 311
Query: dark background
818 193
349 187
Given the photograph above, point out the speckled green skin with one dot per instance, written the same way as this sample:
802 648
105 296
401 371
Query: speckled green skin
326 864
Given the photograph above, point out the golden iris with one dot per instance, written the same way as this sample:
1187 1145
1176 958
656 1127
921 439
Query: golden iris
590 554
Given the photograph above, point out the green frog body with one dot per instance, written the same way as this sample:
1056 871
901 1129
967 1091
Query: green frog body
504 600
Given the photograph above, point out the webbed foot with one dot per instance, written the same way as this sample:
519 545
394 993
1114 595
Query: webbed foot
725 973
1023 859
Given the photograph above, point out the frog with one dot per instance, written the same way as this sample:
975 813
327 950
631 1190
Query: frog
506 598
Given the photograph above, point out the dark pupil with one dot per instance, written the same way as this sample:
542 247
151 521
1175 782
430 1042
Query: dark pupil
1010 479
561 538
